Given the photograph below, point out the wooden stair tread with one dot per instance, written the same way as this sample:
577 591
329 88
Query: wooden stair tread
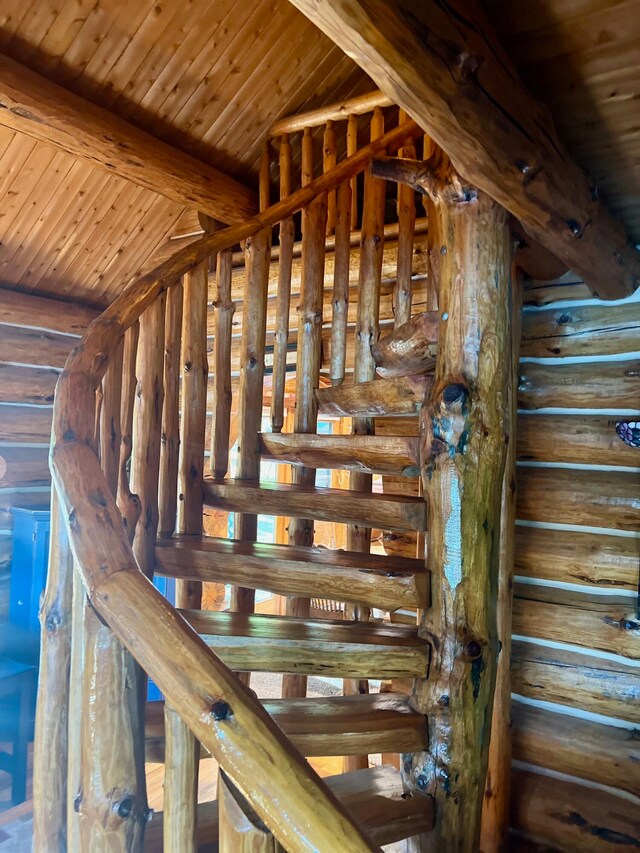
389 512
373 796
392 455
261 643
377 398
376 580
337 725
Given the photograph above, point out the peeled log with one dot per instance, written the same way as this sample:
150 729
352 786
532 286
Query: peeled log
410 349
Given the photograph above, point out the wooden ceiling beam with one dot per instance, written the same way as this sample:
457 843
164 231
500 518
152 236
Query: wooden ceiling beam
39 108
442 63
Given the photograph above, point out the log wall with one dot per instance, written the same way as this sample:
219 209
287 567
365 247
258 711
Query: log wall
36 336
576 654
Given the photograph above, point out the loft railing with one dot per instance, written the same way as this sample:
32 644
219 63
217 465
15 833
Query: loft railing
94 413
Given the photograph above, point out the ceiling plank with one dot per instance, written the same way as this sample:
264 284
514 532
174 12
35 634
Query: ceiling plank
443 64
35 106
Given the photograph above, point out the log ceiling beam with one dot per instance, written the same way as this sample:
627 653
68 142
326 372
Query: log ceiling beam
41 109
442 63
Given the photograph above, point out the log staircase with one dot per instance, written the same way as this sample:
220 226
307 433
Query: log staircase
134 393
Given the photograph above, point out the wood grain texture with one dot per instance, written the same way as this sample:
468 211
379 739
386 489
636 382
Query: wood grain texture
571 816
338 725
605 622
34 347
598 561
370 510
585 330
410 349
52 710
49 113
588 750
480 107
221 366
340 649
38 312
582 439
25 424
32 385
402 396
593 498
170 436
369 453
613 384
602 686
463 450
340 575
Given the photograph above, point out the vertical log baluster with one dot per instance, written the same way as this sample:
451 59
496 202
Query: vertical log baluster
147 428
463 455
254 321
51 745
352 147
128 503
240 829
283 301
329 158
74 756
314 218
340 296
495 814
111 805
182 750
224 311
195 372
367 333
402 292
170 435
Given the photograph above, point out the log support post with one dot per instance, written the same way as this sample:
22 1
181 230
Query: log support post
463 450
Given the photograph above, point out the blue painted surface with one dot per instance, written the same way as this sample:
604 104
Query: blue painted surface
31 532
167 586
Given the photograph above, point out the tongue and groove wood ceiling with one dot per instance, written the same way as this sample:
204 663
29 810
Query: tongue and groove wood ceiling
210 76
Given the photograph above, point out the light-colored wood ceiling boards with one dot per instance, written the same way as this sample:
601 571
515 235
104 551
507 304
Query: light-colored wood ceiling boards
206 76
582 57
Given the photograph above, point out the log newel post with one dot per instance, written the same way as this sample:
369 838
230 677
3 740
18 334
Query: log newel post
463 450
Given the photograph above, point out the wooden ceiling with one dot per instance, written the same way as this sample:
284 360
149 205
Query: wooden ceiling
209 77
206 76
582 58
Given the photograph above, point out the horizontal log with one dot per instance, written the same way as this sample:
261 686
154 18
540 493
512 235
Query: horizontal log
568 287
400 544
571 816
590 498
598 685
375 797
604 622
585 330
402 396
578 747
356 106
25 424
613 385
586 439
312 646
337 505
337 725
295 570
34 385
22 467
41 312
34 347
580 558
369 453
410 349
49 113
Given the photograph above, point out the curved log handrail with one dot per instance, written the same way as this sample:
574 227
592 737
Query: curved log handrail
222 713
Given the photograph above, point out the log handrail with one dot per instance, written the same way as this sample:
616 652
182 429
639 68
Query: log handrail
221 712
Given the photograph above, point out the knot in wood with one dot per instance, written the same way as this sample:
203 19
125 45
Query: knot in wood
220 710
124 807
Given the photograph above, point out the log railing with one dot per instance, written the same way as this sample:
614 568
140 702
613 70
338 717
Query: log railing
123 624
